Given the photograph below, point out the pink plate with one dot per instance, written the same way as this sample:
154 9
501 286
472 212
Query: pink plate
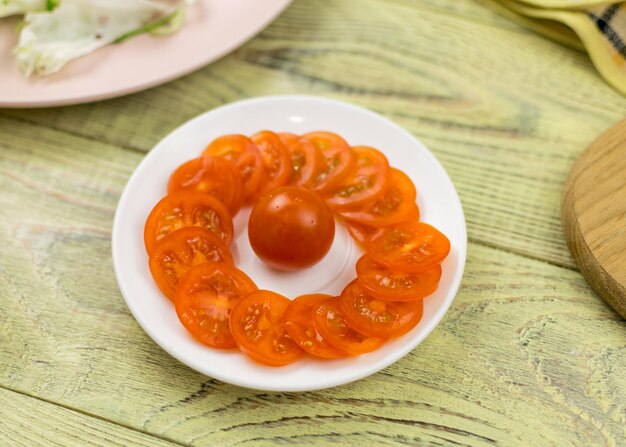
214 28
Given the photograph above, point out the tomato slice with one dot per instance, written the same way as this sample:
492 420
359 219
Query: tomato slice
276 159
409 247
339 160
366 183
361 233
204 300
330 322
181 250
306 160
257 325
377 318
243 152
212 175
391 285
187 209
395 205
299 323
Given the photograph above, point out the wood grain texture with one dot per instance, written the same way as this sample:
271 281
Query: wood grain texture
506 111
527 355
594 215
29 422
509 365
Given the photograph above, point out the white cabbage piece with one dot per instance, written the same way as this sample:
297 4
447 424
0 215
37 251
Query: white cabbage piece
49 40
15 7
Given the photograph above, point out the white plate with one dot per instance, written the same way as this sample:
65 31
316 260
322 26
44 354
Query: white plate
437 199
213 29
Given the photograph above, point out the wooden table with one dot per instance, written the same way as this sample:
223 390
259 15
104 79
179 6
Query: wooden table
527 355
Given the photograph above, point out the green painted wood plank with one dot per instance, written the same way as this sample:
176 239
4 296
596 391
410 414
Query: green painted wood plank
527 355
30 422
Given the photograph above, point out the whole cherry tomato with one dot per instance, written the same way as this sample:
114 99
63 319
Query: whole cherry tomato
291 228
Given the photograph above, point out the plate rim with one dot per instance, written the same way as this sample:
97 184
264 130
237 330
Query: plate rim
140 86
369 369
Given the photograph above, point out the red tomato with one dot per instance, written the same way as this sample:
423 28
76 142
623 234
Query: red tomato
257 325
187 209
291 228
366 183
339 160
243 152
395 205
204 300
409 247
212 175
306 160
361 233
378 318
298 320
329 320
391 285
276 159
179 251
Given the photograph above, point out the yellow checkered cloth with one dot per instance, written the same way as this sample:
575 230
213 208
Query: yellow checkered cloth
595 26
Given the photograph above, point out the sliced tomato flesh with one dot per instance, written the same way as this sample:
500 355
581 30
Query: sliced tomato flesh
331 323
244 153
307 161
211 175
298 320
388 284
395 205
339 160
366 183
378 318
409 247
187 209
258 328
204 300
276 159
181 250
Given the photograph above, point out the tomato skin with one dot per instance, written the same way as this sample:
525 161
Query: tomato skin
391 285
396 204
181 250
307 161
291 228
377 318
330 321
257 325
409 247
186 209
366 183
244 153
339 160
211 175
299 323
204 300
276 159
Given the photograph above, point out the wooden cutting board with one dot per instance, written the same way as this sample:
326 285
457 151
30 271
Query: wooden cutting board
594 215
